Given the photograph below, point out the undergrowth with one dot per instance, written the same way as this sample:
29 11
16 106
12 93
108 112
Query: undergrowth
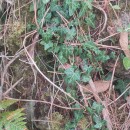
63 28
68 32
62 36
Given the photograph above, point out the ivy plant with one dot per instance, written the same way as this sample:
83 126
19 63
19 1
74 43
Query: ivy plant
61 30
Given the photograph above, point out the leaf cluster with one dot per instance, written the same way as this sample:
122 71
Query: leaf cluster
11 120
64 34
78 115
95 112
60 23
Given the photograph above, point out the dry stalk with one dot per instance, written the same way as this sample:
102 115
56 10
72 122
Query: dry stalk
95 93
12 87
128 87
112 78
82 92
106 117
105 17
41 101
4 73
44 76
35 12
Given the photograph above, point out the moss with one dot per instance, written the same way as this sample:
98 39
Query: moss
57 120
15 31
82 124
17 26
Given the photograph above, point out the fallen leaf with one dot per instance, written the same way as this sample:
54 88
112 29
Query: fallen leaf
64 66
124 43
101 86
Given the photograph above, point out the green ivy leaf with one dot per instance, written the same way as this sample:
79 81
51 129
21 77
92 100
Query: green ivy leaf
126 63
48 17
77 51
89 45
127 28
99 122
45 1
41 11
70 125
55 7
83 9
97 107
48 45
56 48
78 115
72 91
120 86
31 7
89 4
117 7
101 56
46 36
67 50
90 20
73 6
85 78
90 110
87 68
62 58
70 33
72 75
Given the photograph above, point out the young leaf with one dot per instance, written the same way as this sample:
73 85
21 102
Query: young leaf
70 33
89 4
31 8
45 1
62 58
73 6
120 86
48 45
83 9
99 122
85 78
91 20
72 75
72 91
54 7
117 7
97 107
126 63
